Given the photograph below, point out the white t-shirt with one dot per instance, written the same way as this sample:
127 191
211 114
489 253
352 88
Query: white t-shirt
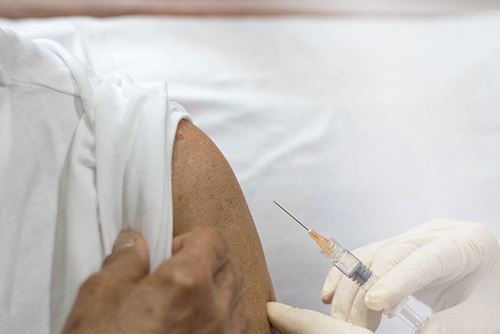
81 157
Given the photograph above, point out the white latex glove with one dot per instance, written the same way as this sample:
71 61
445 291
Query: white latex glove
291 320
452 266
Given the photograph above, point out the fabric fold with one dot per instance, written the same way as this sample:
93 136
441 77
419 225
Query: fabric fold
107 142
131 130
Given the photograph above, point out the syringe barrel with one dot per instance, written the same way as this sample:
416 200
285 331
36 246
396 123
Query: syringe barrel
349 264
361 275
353 268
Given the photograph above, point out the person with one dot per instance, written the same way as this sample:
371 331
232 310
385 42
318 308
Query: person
85 156
451 266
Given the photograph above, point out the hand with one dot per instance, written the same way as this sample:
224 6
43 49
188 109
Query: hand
290 320
197 290
452 266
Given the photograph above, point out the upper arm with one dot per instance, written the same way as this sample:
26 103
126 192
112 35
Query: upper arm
205 191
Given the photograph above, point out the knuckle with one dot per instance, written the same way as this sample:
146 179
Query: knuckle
75 323
482 232
139 264
94 282
185 282
130 266
109 259
387 261
215 237
209 238
421 271
182 278
164 273
230 277
486 243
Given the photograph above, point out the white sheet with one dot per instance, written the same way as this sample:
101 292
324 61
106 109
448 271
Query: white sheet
82 157
361 126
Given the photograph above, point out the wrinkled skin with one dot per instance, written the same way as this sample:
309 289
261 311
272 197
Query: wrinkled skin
197 290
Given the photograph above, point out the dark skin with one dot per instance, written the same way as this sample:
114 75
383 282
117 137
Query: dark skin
216 282
198 290
206 192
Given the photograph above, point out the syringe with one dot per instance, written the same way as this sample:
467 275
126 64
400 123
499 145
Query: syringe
355 270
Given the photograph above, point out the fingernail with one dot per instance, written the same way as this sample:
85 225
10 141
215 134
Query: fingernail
325 296
325 290
125 239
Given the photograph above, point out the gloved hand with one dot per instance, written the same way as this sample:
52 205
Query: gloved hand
291 320
452 266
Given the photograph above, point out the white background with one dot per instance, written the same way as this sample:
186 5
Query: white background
361 126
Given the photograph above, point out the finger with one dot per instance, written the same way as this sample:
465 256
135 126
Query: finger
330 285
129 260
334 276
229 285
436 325
458 319
392 255
198 256
450 321
386 259
290 320
203 247
346 291
343 299
362 316
442 259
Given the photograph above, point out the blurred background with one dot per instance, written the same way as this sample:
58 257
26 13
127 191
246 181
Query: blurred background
362 118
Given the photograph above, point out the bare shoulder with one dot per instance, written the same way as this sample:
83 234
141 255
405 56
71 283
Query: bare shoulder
205 191
202 177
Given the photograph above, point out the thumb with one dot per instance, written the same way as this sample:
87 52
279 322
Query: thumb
290 320
462 319
451 321
441 259
129 260
437 325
